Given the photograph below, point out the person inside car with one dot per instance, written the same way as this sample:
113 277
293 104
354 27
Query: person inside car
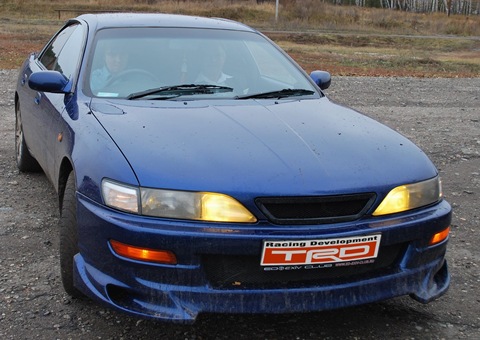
116 59
213 61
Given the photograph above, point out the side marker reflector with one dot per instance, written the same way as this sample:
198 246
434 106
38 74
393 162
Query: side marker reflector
439 237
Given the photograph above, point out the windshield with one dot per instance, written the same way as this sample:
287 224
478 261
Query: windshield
186 63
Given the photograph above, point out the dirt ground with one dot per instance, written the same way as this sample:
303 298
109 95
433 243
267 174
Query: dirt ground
441 115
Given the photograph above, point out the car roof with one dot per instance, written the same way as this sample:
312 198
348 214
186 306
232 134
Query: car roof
106 20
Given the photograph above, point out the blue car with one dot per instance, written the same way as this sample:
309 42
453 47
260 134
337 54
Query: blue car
199 169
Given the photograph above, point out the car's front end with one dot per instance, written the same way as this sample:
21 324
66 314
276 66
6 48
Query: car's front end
174 270
278 230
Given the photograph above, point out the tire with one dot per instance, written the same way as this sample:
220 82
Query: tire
69 236
25 161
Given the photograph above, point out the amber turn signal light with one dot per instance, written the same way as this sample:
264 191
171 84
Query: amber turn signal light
439 237
143 254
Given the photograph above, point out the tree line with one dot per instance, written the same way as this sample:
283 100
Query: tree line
465 7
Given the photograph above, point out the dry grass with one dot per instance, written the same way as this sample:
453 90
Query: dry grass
364 55
304 14
341 39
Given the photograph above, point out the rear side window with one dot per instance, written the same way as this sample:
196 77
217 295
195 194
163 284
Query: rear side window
63 53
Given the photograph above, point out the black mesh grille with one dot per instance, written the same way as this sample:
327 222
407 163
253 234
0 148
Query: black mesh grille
245 272
315 210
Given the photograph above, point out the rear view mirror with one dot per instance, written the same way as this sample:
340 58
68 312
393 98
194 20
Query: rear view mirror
322 79
49 81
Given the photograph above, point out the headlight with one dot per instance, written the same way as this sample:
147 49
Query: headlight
120 196
202 206
410 196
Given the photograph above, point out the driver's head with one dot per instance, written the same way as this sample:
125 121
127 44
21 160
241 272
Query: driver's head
213 60
116 57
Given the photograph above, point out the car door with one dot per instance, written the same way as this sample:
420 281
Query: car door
62 54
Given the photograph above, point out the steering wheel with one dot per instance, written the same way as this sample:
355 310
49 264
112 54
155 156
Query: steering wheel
130 73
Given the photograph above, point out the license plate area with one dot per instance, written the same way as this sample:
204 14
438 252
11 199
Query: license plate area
334 251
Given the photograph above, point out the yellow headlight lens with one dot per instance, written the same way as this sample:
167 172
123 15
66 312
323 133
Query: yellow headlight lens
223 208
410 196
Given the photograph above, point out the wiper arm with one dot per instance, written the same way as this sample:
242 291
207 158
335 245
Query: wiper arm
277 94
178 90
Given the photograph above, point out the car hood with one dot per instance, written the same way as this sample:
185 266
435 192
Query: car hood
307 147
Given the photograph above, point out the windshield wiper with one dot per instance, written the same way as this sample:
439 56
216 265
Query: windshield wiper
277 94
179 90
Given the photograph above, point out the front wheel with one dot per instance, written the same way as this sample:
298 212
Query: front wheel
69 236
25 161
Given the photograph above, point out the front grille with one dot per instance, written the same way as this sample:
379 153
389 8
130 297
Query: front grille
315 210
245 272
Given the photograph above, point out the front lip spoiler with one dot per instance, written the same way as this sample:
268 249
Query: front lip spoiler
434 285
182 304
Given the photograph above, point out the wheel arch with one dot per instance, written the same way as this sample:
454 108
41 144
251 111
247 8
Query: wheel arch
66 168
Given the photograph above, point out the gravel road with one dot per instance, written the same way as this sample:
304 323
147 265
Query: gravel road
441 115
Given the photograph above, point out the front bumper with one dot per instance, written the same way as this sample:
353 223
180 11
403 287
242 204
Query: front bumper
236 283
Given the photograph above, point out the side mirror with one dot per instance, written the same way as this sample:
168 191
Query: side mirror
322 79
49 81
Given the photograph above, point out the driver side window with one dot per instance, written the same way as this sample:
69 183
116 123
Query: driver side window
63 53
